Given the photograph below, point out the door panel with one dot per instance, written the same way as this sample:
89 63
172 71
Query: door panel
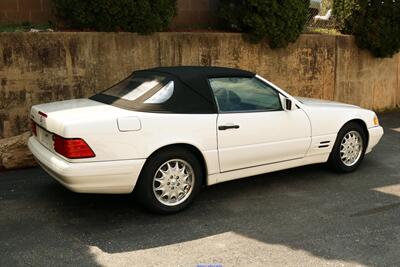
259 138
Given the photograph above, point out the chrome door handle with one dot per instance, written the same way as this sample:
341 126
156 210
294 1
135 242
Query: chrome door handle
226 127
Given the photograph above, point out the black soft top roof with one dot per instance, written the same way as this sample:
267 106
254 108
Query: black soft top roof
195 71
192 92
195 77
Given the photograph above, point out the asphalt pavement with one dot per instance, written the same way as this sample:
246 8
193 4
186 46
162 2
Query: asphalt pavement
305 216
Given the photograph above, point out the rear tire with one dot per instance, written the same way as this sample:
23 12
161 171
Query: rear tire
349 148
169 181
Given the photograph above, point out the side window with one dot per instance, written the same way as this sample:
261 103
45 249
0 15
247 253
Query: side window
237 94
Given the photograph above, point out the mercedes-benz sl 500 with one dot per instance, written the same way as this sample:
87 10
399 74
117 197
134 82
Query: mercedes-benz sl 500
166 132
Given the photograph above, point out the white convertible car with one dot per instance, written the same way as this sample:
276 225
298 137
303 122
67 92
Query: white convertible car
166 132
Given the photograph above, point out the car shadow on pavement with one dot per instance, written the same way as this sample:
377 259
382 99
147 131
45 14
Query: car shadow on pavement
352 218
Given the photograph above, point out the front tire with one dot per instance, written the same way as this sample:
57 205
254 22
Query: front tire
169 181
349 149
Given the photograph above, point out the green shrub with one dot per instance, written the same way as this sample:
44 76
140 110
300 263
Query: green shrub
281 22
143 16
376 26
342 10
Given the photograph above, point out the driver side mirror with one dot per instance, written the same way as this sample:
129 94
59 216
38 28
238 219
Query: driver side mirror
288 104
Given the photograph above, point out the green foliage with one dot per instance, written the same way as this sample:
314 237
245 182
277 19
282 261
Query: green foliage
342 10
281 22
376 26
143 16
25 27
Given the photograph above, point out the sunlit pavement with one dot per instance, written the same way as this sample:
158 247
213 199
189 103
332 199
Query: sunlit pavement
299 217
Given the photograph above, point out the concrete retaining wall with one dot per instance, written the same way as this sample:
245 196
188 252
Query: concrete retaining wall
45 67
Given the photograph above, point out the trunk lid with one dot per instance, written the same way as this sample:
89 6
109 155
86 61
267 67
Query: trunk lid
79 118
54 117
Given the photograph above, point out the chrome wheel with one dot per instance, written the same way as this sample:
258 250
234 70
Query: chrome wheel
173 182
351 148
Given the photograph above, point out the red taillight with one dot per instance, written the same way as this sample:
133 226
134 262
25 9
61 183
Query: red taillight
33 127
73 148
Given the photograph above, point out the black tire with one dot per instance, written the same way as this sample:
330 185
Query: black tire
335 162
144 187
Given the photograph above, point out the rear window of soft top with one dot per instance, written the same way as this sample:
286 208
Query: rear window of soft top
135 86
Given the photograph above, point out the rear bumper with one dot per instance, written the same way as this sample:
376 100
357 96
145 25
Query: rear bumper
375 134
108 177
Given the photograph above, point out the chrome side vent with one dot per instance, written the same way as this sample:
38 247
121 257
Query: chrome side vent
324 144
